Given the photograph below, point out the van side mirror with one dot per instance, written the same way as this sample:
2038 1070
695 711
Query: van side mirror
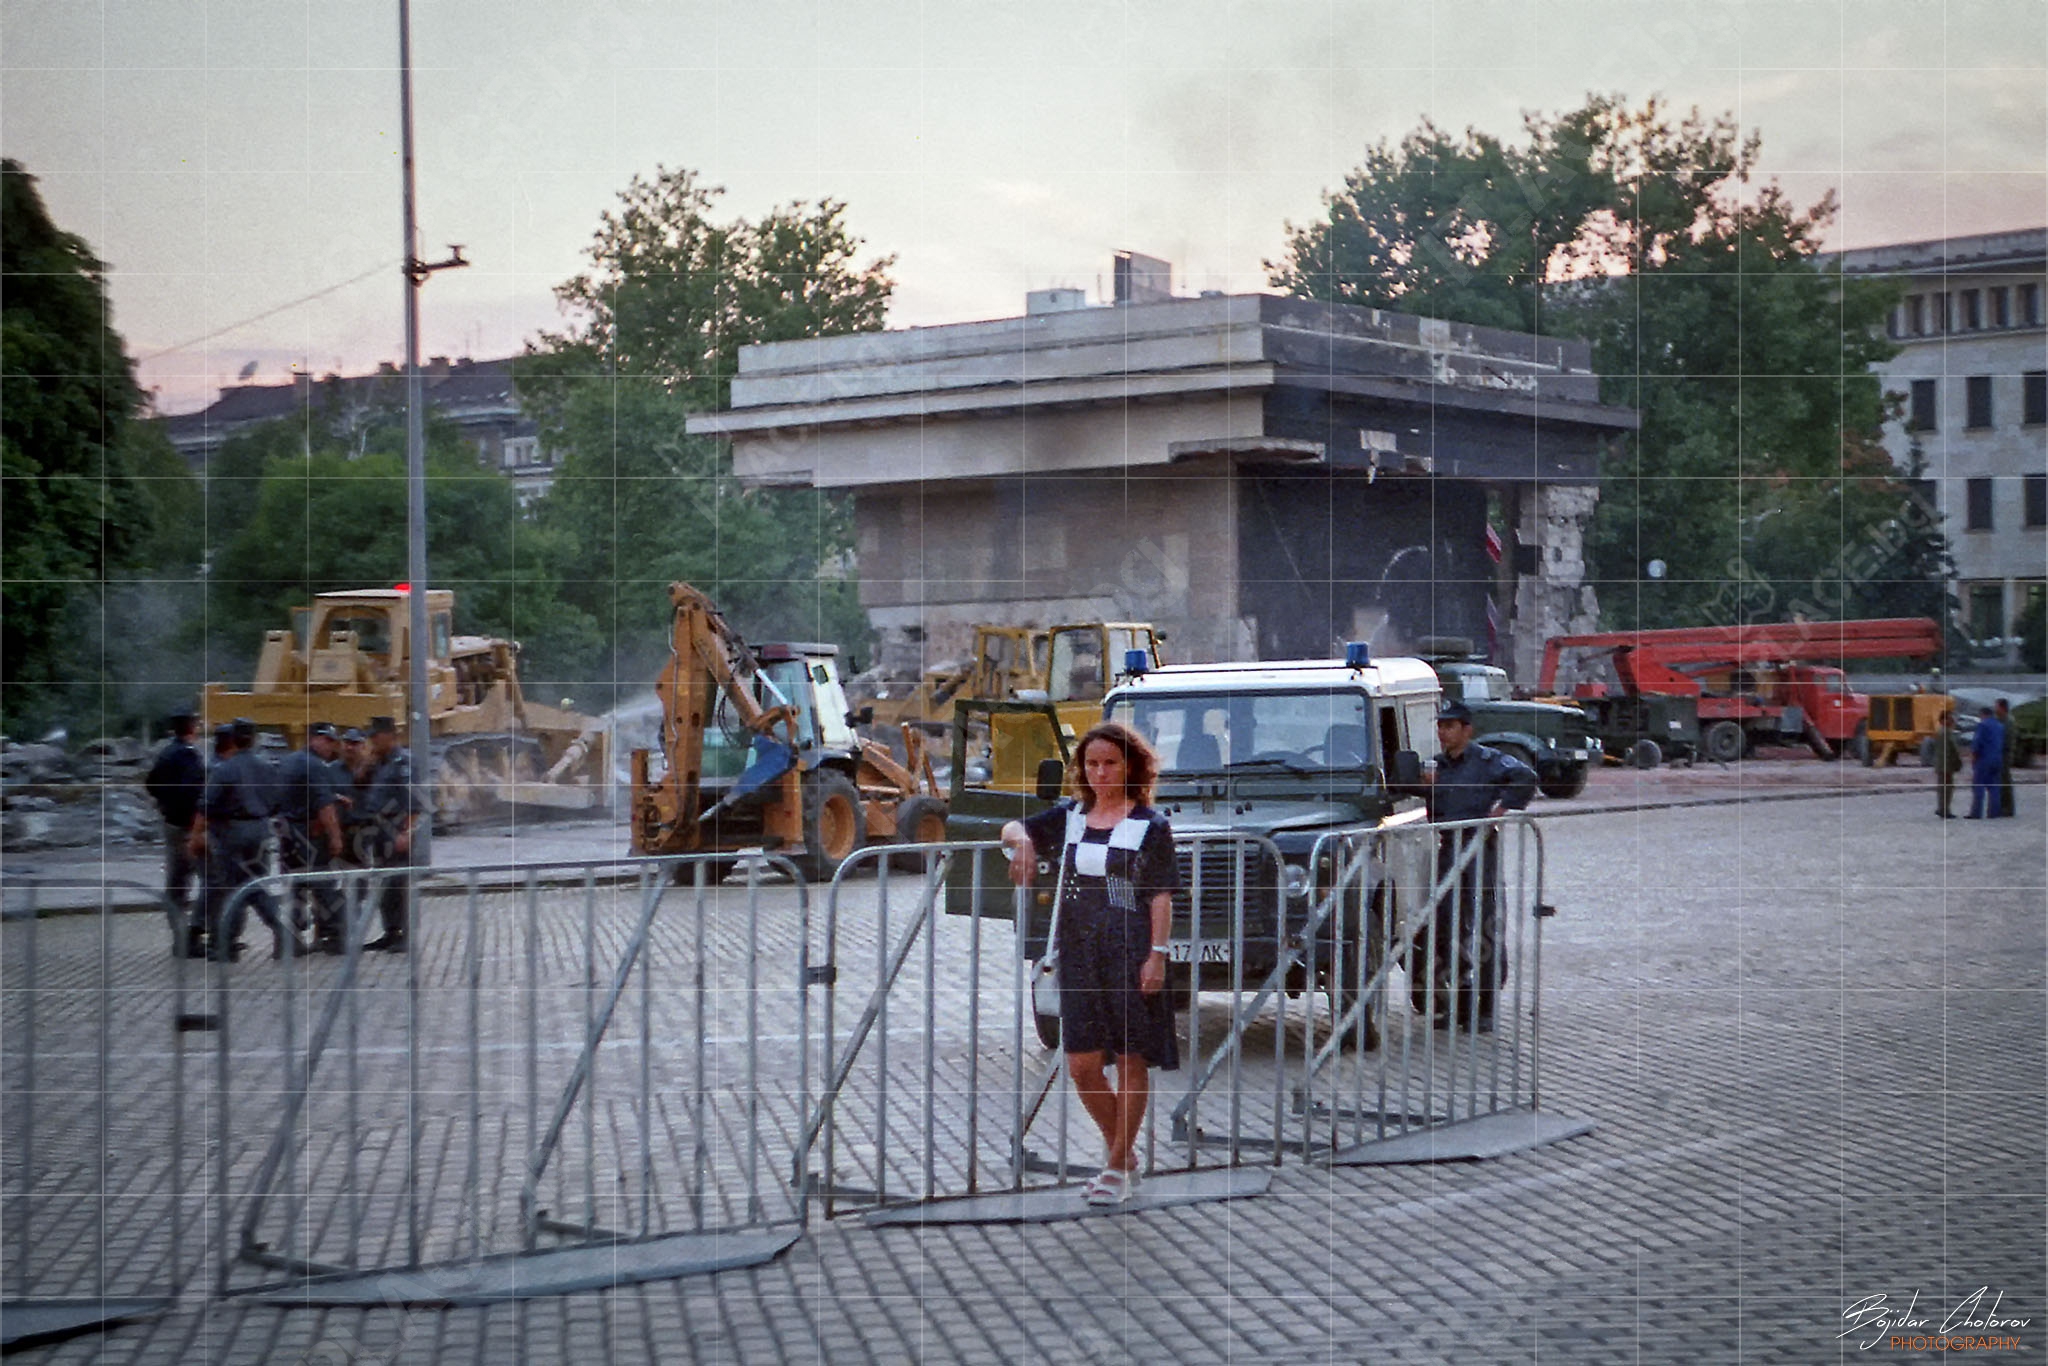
1052 775
864 717
1407 770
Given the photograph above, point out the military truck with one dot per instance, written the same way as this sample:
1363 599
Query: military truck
1556 741
1286 750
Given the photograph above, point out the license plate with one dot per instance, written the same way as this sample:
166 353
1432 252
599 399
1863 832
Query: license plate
1182 951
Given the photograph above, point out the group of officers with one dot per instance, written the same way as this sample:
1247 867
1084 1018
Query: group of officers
344 801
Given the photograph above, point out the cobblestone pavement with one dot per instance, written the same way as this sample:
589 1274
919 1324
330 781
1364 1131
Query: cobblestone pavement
1814 1036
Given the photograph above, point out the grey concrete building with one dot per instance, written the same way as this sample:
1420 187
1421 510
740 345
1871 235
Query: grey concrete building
1261 477
1972 371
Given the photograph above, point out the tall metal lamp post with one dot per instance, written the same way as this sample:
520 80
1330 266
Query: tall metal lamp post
416 273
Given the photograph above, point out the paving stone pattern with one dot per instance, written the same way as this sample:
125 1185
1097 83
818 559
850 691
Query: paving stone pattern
1814 1035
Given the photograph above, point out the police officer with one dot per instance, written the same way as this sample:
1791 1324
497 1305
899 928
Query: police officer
391 805
231 828
311 830
175 783
1471 782
351 789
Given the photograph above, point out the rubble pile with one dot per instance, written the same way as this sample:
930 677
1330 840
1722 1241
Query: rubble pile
51 798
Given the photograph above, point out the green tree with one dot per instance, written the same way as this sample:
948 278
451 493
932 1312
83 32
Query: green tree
671 295
69 500
326 518
1757 469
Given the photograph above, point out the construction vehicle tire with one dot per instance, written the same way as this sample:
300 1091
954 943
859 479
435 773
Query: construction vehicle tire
1645 753
919 820
1722 742
834 823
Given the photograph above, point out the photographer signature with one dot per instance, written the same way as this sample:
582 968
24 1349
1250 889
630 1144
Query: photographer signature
1874 1314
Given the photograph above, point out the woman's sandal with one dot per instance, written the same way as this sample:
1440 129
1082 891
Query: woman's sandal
1112 1186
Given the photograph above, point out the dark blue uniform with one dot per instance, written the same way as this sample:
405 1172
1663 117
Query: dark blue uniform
175 782
305 788
239 799
1464 960
1987 758
387 806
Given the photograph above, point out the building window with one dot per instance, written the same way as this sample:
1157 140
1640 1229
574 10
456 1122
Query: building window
1977 400
2001 307
1916 316
1972 313
1895 322
2034 389
1979 508
1922 415
1987 611
2037 500
2030 305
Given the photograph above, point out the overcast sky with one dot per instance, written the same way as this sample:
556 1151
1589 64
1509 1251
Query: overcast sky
228 159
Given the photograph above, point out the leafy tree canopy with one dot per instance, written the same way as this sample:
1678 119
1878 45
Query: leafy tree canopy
657 322
1757 472
87 495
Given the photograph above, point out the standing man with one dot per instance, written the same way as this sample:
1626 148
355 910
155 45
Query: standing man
1987 757
2003 711
351 790
1471 782
175 782
1948 761
395 814
231 828
312 832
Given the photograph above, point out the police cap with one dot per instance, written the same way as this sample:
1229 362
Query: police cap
1454 711
321 730
245 731
383 725
352 736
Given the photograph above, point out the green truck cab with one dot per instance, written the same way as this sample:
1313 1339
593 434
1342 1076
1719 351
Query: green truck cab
1557 741
1284 751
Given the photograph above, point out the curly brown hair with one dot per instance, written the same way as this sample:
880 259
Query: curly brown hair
1141 764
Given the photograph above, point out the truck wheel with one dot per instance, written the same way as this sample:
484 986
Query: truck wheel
834 824
1565 781
1722 742
1645 754
919 820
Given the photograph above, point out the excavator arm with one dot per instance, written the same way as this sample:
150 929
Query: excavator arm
707 660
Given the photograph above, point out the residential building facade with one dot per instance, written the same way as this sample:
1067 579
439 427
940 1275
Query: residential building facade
478 397
1972 379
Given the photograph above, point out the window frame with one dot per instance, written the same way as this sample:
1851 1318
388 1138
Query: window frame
1980 412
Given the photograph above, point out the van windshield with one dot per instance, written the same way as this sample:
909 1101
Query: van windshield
1289 731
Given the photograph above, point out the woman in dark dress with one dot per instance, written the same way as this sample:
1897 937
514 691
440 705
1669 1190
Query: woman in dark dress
1114 921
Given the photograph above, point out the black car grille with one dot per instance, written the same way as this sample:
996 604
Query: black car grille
1225 864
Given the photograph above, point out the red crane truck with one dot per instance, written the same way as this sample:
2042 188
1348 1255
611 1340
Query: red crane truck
1765 684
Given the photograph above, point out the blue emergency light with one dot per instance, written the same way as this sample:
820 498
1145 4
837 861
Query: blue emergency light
1357 654
1136 662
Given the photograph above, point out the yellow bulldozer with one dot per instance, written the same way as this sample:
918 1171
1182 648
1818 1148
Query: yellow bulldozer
1071 666
346 658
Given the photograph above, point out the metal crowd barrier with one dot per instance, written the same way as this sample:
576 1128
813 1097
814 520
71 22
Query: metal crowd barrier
92 1236
1443 1069
478 1120
939 1101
